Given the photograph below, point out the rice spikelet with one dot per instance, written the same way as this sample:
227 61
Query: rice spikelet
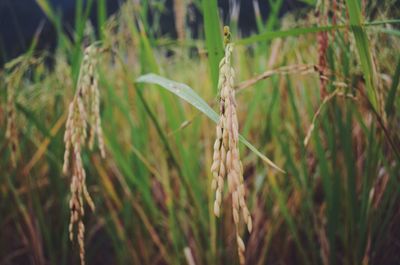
83 110
226 158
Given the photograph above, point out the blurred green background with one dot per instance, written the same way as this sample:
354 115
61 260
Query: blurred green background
337 203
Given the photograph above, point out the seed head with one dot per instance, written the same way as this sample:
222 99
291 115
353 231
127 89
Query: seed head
83 110
226 158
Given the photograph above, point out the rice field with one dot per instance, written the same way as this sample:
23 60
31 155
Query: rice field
281 146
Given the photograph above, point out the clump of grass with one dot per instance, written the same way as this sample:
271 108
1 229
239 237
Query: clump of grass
226 158
83 110
337 204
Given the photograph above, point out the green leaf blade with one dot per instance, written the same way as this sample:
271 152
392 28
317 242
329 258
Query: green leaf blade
213 38
362 44
190 96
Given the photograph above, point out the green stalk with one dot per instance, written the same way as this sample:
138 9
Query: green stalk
213 38
362 44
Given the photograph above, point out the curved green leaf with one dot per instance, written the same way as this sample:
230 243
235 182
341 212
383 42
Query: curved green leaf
269 35
189 95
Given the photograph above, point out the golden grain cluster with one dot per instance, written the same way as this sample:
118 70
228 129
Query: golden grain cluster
83 110
226 158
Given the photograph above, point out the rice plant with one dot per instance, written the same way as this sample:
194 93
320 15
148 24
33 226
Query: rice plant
299 117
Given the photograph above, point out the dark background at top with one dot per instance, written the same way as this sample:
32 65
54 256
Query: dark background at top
20 19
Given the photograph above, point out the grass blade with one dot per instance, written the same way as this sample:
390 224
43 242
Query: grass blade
362 45
189 95
393 89
213 38
269 35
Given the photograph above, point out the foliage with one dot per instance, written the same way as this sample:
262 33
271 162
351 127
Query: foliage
336 203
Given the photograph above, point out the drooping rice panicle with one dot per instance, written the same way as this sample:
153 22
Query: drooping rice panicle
226 158
84 110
